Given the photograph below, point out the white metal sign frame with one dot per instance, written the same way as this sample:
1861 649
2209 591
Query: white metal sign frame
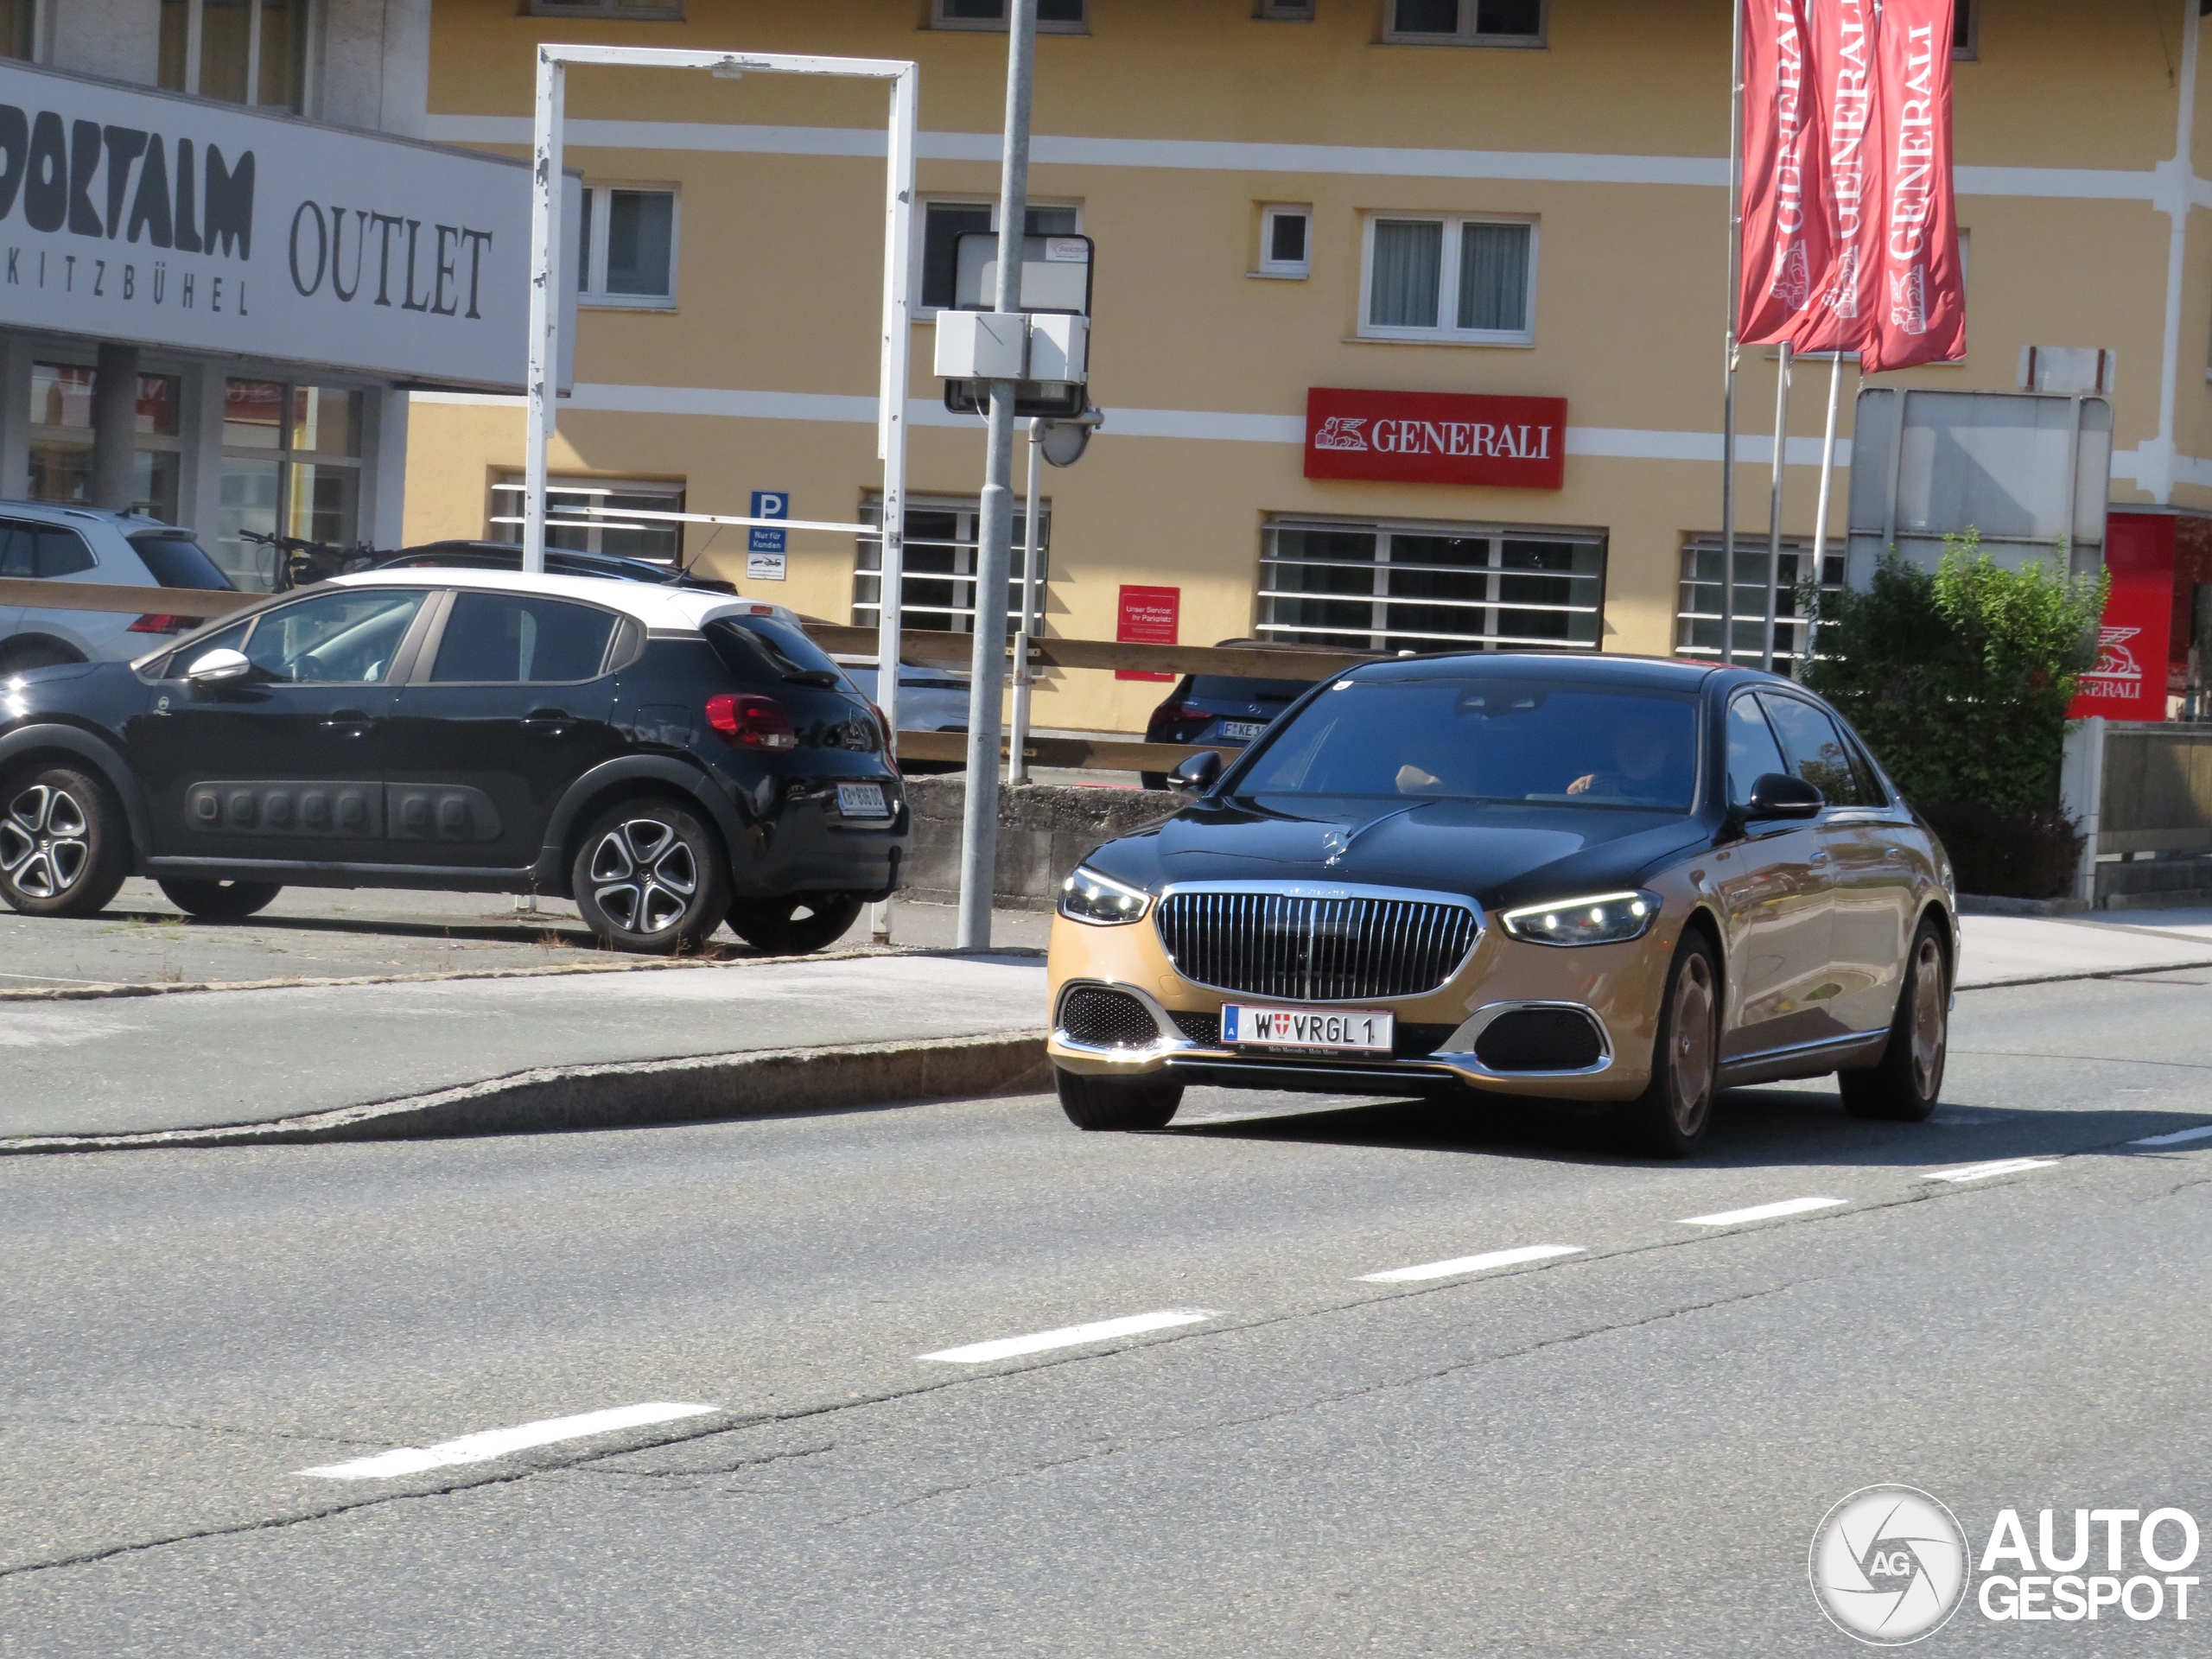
553 62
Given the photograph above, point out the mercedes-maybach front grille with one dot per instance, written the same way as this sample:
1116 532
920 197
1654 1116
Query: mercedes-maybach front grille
1301 949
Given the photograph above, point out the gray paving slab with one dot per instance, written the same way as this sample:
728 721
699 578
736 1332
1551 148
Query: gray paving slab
125 1065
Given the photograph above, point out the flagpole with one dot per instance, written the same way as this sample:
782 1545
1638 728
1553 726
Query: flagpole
1735 285
1820 517
1774 507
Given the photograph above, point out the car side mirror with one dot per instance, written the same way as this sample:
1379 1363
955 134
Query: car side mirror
220 667
1778 795
1198 774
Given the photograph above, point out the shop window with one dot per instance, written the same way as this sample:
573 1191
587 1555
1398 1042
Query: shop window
1053 17
291 466
938 594
944 223
1697 618
1450 278
18 28
1286 241
61 438
628 247
240 51
570 527
1379 586
1464 22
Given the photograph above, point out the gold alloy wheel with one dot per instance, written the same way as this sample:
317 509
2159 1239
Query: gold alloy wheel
1690 1052
1931 1017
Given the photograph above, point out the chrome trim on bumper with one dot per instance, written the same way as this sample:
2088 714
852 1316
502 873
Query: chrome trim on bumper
1171 1040
1459 1049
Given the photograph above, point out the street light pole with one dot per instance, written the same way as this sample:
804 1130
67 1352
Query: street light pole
979 829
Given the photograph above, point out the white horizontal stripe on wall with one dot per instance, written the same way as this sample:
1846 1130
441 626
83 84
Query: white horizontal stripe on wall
1611 442
1563 167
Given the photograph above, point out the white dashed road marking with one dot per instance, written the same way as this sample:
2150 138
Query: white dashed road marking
1982 1172
1459 1264
1073 1336
497 1442
1762 1212
2202 1132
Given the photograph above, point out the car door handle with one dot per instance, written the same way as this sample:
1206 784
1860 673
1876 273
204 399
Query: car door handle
347 722
548 723
1817 858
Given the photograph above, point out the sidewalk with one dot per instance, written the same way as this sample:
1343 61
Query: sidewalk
2013 950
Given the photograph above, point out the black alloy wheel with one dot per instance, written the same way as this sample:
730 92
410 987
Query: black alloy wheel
1904 1086
1670 1117
220 901
64 851
794 926
1117 1102
650 878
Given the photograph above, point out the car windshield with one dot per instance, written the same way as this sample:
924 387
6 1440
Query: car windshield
1226 687
1555 741
178 561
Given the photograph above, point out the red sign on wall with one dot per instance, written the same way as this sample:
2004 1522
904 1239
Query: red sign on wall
2128 680
1148 616
1436 437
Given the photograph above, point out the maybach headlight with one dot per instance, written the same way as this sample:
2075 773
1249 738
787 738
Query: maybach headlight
1087 896
1598 919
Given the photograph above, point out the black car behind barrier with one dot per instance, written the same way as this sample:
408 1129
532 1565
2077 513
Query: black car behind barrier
667 757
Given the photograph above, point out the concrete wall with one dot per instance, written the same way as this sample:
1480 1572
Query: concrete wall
120 39
1045 831
376 65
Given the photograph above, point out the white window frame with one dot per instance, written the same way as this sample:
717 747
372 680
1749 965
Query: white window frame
998 26
572 490
1466 33
310 21
1268 264
965 545
1447 283
918 251
1381 637
1750 599
594 295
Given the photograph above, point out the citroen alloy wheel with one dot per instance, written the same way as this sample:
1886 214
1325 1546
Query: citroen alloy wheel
650 878
63 848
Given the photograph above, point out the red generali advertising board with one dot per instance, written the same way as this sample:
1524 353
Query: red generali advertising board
2128 680
1436 437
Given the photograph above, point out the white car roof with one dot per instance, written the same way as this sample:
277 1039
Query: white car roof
662 609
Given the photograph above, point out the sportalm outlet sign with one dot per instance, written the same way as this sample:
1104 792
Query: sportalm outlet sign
128 214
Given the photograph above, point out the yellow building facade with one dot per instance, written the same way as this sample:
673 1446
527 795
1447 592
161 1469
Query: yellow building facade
1501 198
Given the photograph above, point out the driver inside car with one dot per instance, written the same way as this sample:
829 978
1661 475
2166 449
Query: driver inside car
1648 764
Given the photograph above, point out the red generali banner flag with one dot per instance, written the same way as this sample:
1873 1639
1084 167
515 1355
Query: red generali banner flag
1848 165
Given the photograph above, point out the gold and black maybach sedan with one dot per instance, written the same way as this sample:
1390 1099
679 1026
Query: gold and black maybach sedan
1616 882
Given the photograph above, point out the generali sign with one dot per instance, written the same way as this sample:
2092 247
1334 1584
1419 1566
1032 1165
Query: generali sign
141 216
1436 437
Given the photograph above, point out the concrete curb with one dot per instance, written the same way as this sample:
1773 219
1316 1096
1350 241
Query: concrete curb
700 1089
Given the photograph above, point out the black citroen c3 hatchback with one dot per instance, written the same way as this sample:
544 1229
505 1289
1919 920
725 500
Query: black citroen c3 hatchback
668 757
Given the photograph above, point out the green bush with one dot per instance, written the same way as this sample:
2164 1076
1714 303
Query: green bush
1960 680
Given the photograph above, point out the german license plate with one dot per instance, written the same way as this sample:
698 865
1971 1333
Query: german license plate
1346 1031
1247 729
861 801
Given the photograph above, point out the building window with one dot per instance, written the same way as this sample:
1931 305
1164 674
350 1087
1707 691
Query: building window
658 540
939 593
61 438
1380 587
1053 17
628 11
292 467
1966 30
240 51
944 223
1464 22
1450 278
1697 620
626 247
1286 241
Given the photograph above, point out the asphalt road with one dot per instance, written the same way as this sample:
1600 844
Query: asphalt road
1622 1450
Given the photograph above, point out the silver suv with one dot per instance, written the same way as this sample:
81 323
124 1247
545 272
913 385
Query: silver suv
45 543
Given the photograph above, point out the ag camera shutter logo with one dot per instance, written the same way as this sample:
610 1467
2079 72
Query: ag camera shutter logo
1889 1565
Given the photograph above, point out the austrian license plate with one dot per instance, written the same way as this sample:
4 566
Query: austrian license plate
1346 1031
861 801
1246 729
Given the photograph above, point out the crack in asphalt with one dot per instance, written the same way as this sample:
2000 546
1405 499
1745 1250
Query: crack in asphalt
15 1417
735 1423
708 1473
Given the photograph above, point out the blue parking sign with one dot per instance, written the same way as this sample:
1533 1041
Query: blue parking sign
768 503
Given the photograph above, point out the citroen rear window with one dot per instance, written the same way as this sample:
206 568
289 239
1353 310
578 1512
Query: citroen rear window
1553 742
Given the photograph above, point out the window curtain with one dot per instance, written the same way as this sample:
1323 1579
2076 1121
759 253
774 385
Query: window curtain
1494 277
1408 256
